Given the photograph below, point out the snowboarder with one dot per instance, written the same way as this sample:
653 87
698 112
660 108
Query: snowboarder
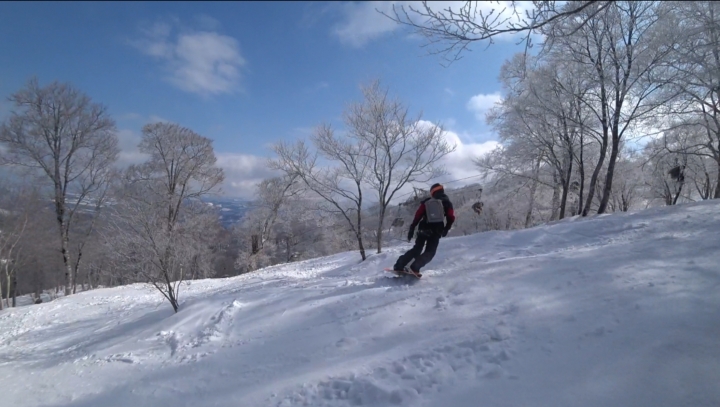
430 217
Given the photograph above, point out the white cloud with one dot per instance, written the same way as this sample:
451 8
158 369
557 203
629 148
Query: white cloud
203 62
130 116
303 132
449 122
480 104
363 21
207 23
242 173
321 85
459 163
157 119
128 141
316 87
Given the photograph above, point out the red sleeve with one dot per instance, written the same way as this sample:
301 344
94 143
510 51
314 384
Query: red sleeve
451 215
418 215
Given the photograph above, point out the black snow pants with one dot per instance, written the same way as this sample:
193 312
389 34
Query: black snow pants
429 242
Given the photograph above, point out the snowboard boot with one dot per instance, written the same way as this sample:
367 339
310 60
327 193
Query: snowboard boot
413 272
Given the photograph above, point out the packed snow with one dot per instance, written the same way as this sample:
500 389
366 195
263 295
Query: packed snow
613 310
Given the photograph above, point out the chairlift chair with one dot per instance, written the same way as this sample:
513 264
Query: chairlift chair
477 207
677 173
398 222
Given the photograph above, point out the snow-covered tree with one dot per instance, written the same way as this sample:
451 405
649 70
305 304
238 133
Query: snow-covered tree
622 49
382 149
162 231
693 73
69 141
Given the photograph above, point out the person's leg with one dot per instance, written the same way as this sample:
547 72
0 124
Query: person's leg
411 254
428 254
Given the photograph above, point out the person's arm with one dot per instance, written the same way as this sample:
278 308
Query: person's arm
450 216
418 216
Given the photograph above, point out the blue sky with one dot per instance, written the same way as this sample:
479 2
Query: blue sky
244 74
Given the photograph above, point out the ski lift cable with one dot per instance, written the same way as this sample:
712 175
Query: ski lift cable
253 205
445 183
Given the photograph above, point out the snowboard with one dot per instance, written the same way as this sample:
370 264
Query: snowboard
401 273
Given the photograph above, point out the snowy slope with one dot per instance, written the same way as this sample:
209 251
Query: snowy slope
617 310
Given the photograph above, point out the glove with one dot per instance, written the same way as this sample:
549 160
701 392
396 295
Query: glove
445 232
411 233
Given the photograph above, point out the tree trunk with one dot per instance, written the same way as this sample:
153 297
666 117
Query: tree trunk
360 246
709 190
254 244
706 187
380 230
358 235
677 194
716 195
66 260
531 204
14 289
566 188
8 275
172 293
287 249
603 144
171 296
528 215
75 272
581 170
610 173
667 194
614 203
555 201
594 178
625 203
64 231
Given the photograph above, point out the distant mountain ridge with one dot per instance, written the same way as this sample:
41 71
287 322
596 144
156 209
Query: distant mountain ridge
230 210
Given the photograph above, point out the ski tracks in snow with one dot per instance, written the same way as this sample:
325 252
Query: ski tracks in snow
190 348
414 371
407 380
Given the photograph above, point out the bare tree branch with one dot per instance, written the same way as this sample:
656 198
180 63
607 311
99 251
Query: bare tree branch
452 32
